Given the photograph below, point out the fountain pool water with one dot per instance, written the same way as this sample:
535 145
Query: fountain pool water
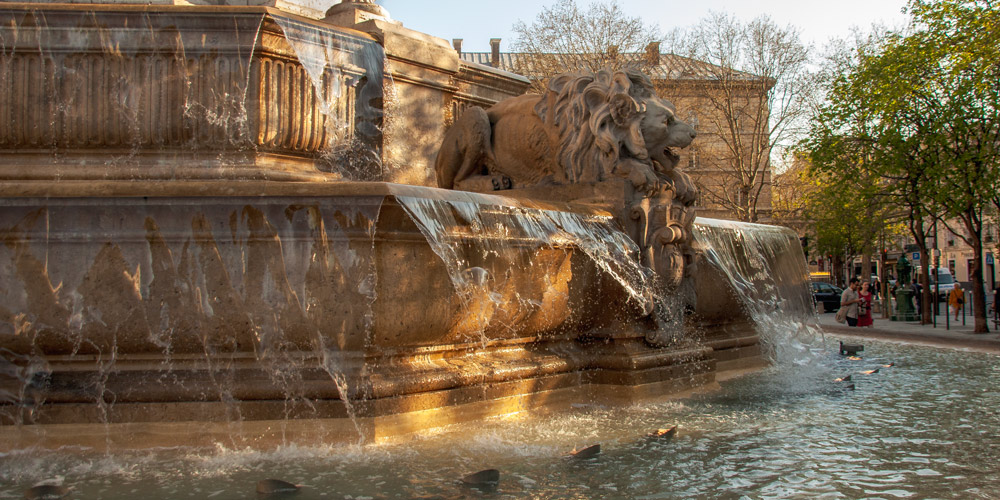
922 428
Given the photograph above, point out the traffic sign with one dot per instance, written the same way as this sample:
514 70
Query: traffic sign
989 259
916 255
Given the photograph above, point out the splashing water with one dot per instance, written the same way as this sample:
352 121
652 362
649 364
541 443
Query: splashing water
347 78
918 430
766 268
479 237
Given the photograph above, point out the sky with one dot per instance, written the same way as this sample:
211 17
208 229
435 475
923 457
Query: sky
476 21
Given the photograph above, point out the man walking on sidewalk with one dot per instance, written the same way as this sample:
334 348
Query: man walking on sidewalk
850 299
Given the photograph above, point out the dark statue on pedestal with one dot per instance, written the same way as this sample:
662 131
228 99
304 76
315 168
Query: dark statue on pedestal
904 294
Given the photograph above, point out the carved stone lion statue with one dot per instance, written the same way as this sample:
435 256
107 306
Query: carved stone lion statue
586 128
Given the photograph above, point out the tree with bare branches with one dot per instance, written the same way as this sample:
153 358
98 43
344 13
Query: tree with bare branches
565 37
751 101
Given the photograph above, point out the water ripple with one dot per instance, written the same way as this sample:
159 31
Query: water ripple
922 430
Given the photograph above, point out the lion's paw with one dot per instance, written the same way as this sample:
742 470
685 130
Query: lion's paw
684 188
644 180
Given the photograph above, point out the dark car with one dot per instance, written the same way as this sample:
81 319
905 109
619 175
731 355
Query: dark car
827 294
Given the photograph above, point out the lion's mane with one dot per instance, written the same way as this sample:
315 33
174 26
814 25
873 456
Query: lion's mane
610 107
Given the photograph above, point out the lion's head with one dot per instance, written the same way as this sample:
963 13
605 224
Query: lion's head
663 133
605 117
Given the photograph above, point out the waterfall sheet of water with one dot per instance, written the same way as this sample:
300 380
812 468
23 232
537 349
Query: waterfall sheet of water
480 237
763 264
289 284
767 270
348 79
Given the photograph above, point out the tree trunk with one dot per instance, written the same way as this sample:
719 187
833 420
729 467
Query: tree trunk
926 307
866 266
883 280
978 293
835 268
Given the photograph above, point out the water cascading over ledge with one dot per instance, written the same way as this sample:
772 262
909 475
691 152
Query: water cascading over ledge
766 268
312 302
184 237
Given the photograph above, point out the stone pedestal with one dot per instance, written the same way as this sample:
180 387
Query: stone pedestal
904 306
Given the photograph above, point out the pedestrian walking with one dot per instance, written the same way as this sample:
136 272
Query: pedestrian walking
956 299
850 299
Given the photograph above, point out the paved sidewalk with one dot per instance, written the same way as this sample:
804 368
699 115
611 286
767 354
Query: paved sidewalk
957 336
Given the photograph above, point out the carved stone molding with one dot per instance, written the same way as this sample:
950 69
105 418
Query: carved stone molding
151 94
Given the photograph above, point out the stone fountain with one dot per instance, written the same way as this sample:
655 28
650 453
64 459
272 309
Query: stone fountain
229 215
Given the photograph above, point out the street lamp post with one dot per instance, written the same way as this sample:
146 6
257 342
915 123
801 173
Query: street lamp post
937 291
937 286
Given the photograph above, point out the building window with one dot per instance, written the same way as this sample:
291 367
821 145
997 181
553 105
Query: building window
692 158
693 120
739 197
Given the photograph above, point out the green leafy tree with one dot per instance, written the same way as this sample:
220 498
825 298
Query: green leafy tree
849 217
917 110
933 95
954 70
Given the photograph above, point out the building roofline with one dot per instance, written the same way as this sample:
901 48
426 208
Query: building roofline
671 66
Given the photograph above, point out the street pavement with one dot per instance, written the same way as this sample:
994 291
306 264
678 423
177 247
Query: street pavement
955 335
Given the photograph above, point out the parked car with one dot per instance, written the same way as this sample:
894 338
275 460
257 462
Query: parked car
827 294
946 282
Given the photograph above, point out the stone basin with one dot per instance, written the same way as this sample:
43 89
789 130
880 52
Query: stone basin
282 301
216 214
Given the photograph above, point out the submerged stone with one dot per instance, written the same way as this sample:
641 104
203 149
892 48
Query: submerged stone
274 488
47 492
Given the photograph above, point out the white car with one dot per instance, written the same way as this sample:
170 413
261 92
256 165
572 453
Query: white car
945 283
